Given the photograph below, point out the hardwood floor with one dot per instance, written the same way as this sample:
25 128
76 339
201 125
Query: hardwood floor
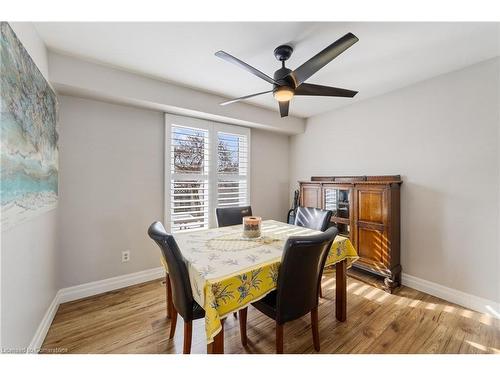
133 320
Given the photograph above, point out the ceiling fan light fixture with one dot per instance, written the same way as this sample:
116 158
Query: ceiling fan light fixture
283 94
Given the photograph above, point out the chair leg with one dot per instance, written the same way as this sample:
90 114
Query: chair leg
188 333
279 338
243 325
314 327
173 322
168 290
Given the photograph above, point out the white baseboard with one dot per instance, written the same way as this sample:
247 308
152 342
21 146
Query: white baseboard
470 301
86 290
43 328
102 286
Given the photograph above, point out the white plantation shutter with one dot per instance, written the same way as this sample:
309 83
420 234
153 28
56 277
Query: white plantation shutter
206 166
232 169
188 185
189 205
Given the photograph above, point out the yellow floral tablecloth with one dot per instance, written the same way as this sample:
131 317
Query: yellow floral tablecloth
228 272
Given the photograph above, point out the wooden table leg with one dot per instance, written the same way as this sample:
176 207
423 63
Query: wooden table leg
168 288
217 346
341 291
243 326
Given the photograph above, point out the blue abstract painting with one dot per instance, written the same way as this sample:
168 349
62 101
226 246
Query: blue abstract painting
29 154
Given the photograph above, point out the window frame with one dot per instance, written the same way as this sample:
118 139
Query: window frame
213 176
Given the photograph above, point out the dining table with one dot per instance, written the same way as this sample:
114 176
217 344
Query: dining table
228 271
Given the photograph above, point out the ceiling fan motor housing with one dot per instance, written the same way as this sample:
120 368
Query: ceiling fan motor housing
283 52
282 76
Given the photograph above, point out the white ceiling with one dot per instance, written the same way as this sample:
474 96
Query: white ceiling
387 57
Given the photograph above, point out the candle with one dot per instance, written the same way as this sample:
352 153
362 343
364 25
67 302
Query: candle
251 226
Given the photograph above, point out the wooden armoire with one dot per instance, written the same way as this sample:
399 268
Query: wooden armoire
365 209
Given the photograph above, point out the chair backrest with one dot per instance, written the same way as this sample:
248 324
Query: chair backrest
300 274
232 215
312 218
182 295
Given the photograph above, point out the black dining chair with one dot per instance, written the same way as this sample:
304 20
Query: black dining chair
182 296
312 218
232 215
299 278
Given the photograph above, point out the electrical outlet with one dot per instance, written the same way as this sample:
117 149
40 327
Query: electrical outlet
125 256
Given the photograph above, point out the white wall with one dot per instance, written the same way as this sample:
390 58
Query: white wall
111 186
28 251
270 178
442 136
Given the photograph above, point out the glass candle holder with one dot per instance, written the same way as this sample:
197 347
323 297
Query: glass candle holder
251 226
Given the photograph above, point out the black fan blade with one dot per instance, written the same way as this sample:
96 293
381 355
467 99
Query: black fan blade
284 108
244 97
226 56
318 90
318 61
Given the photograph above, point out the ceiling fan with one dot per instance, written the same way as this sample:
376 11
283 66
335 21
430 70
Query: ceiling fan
287 83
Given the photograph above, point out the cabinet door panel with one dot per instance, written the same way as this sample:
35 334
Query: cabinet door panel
371 206
310 196
373 246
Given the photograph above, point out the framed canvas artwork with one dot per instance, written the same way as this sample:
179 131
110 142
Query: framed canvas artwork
29 153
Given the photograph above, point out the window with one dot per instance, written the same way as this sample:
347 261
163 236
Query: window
207 166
